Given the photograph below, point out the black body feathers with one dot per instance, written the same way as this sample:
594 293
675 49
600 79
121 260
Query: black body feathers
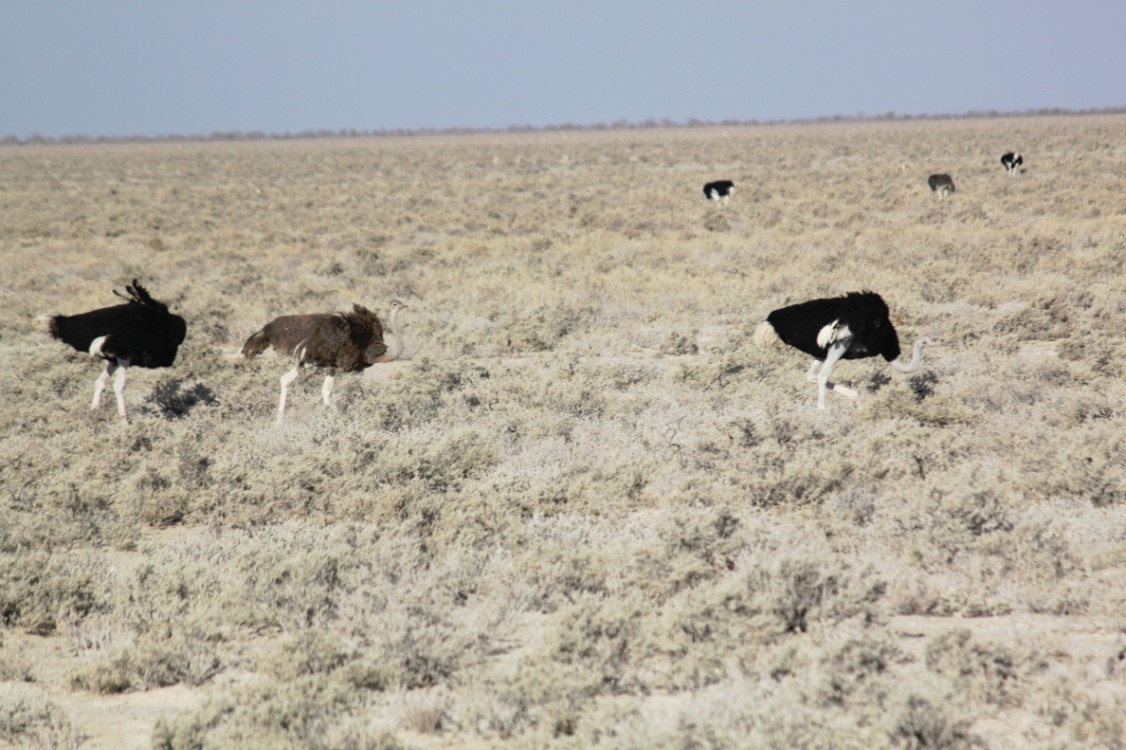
139 333
854 326
718 189
812 326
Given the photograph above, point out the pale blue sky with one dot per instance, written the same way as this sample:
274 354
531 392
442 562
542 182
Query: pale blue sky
153 67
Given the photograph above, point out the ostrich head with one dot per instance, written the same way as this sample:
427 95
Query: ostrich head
916 355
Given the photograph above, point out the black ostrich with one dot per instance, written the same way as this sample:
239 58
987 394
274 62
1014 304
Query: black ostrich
139 333
1012 161
719 190
850 327
344 341
941 184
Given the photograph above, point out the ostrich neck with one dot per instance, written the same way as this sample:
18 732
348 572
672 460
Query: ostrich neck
916 359
396 347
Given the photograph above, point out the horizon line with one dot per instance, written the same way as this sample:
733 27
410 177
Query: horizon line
621 124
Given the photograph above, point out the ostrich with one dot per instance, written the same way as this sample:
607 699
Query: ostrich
345 341
850 327
941 184
1012 161
141 333
719 190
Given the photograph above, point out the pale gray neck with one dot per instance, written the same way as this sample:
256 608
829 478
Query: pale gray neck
396 347
916 359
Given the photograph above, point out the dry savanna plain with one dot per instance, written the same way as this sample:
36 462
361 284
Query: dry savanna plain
583 509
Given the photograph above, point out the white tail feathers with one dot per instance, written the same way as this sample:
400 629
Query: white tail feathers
50 327
765 335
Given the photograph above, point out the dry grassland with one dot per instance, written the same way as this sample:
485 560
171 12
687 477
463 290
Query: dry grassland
583 510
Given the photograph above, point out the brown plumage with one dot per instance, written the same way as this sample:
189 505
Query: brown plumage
343 341
941 184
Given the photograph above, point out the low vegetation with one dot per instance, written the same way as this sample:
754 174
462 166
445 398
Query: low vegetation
583 510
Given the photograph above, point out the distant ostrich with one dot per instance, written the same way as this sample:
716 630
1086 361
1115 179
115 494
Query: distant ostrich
344 341
941 184
719 190
1012 161
139 333
850 327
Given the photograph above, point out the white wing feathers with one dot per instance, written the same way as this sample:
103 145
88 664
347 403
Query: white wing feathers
832 333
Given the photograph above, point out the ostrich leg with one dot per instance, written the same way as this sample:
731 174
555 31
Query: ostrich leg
119 388
326 391
100 383
286 379
836 351
811 376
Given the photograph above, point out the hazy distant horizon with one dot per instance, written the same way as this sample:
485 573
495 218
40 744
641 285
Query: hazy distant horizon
121 69
561 127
